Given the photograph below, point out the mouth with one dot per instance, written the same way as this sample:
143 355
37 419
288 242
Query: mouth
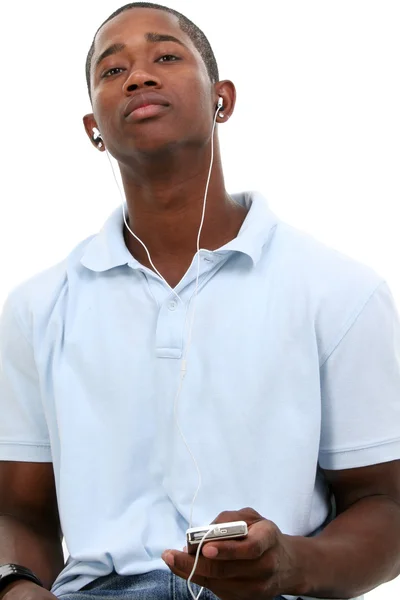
146 112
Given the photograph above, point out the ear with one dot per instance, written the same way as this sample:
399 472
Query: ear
226 89
90 123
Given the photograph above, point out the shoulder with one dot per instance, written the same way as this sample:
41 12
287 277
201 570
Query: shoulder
332 289
319 264
35 297
323 271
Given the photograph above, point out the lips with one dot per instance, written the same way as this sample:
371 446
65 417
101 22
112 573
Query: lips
145 104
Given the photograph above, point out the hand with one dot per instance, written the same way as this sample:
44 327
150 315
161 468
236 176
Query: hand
258 567
23 589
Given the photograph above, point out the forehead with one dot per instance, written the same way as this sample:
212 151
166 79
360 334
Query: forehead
133 24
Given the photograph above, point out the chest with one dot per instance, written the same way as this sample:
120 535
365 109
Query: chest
110 371
116 358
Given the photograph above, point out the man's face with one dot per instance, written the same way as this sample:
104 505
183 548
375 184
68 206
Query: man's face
133 64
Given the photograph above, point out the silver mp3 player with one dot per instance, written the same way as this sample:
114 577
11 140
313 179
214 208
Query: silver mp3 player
219 531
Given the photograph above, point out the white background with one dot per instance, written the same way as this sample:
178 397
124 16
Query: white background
316 128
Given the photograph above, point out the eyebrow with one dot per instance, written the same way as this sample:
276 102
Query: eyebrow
113 49
150 37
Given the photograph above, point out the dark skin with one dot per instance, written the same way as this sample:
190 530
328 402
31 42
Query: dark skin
164 160
164 163
358 551
30 531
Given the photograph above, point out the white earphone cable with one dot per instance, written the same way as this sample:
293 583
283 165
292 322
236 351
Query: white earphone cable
130 230
189 579
189 336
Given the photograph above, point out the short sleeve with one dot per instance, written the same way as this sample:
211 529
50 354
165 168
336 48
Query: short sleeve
360 389
23 429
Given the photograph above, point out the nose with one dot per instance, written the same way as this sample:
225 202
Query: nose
140 79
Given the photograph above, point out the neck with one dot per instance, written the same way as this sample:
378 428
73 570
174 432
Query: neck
165 207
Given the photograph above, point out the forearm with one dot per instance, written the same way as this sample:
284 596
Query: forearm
33 547
358 551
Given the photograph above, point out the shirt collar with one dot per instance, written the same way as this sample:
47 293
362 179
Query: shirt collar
107 249
257 228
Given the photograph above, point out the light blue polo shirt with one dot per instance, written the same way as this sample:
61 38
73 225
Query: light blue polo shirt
293 366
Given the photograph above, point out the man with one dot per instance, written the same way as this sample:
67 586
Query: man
288 396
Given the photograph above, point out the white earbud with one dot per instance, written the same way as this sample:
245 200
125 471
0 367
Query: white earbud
220 107
97 137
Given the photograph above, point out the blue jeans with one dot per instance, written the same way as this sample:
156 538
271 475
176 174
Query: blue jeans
156 585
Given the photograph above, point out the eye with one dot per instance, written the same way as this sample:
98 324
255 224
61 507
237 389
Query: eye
113 71
168 58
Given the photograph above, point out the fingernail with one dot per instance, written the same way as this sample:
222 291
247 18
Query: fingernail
210 551
168 558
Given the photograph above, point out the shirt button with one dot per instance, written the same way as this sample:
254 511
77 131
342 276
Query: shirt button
172 305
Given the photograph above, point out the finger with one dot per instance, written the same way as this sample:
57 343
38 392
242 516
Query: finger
209 569
262 536
183 567
244 514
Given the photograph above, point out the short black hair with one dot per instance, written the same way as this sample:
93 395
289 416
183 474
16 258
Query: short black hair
198 38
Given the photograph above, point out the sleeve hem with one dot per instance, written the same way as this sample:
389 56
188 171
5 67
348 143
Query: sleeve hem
25 452
360 457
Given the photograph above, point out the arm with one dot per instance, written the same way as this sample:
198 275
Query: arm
360 425
360 549
360 393
30 533
29 523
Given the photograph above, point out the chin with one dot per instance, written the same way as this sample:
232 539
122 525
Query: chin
153 145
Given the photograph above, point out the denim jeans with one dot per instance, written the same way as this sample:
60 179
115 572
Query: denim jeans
156 585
